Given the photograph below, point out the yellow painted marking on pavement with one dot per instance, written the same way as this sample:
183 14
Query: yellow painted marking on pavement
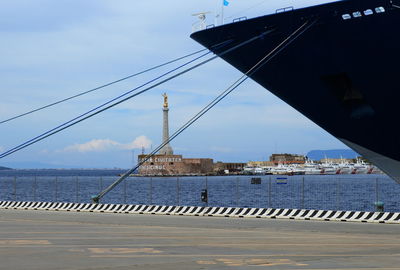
81 250
301 245
118 251
205 237
33 242
7 242
244 255
258 262
206 262
209 243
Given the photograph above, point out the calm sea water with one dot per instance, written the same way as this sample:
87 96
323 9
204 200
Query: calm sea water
342 192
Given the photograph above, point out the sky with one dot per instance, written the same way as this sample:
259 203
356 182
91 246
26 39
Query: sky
54 49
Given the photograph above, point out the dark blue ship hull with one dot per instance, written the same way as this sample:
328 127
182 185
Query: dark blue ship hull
342 73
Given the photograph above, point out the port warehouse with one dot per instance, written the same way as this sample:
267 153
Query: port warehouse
177 165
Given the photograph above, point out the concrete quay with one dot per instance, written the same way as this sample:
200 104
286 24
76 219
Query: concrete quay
72 240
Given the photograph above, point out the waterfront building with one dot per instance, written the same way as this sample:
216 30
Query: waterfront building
287 159
260 164
228 167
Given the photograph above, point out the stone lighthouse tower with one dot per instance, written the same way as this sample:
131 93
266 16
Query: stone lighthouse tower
167 149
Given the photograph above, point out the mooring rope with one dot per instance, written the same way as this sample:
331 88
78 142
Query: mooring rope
293 36
98 109
101 87
110 104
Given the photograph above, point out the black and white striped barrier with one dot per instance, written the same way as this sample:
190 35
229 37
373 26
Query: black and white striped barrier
298 214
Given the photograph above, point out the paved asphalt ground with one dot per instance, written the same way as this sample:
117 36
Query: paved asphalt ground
65 240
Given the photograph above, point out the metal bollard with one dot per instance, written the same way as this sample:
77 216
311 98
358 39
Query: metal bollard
379 206
204 196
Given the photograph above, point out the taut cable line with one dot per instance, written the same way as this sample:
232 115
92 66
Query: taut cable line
105 106
298 32
100 87
92 112
109 104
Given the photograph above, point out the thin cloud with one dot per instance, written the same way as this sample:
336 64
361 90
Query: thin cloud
104 145
139 142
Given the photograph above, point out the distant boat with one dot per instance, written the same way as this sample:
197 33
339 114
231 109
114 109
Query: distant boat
313 171
280 169
330 168
256 170
311 168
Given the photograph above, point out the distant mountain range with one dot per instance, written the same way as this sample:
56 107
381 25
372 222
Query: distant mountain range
35 165
4 168
333 153
38 165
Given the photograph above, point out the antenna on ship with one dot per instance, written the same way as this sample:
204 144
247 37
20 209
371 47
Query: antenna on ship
201 24
224 3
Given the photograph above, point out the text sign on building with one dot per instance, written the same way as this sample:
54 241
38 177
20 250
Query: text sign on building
162 159
167 159
153 167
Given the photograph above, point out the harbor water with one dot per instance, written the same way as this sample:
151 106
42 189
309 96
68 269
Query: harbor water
325 192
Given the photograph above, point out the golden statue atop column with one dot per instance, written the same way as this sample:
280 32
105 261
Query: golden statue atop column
165 100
